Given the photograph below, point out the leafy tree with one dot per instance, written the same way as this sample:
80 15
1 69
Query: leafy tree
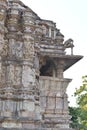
81 95
79 114
74 112
77 120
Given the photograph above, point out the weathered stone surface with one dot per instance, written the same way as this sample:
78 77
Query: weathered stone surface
28 76
32 61
11 125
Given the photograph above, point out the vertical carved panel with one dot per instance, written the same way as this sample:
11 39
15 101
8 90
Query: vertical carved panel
19 49
3 73
28 76
11 47
28 50
17 75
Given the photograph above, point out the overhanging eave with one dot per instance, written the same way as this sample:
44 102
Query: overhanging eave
71 60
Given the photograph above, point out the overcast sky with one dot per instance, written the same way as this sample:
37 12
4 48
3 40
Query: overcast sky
71 18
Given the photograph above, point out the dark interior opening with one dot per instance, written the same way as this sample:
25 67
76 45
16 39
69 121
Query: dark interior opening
47 69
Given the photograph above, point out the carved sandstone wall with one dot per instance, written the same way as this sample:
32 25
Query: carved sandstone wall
32 62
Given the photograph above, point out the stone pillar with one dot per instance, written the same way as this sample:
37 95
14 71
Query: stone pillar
37 41
72 50
3 30
54 33
30 72
60 65
11 74
49 31
2 23
3 7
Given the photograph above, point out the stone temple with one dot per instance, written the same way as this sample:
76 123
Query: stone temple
32 61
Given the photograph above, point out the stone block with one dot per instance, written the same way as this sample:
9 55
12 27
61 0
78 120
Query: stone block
28 106
51 102
8 124
28 76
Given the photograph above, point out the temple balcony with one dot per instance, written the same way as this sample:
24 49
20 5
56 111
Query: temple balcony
53 101
53 94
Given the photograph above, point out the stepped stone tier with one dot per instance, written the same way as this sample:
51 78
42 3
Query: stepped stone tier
32 61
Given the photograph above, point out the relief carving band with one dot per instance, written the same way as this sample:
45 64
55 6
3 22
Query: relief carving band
32 63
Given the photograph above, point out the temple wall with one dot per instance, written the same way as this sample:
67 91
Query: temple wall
32 61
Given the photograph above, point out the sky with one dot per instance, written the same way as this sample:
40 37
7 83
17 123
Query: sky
71 18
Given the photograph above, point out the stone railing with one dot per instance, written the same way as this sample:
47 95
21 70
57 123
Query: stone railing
53 93
53 84
53 101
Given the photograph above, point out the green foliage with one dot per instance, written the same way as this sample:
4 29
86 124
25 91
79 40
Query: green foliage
78 120
74 112
81 94
79 114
